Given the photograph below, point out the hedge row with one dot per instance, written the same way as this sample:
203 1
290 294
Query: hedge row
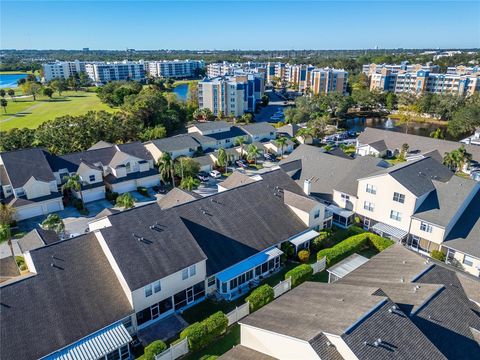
260 296
153 349
299 274
200 334
352 245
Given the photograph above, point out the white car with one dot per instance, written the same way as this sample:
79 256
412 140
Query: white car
215 174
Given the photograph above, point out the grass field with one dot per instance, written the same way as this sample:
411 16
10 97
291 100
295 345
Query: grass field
24 112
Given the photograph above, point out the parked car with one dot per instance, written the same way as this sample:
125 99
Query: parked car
159 190
241 163
215 174
269 157
202 176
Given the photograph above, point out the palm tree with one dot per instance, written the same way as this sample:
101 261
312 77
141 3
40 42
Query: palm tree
253 152
437 134
11 93
74 183
189 183
463 157
4 104
282 142
240 141
305 133
222 158
166 168
54 222
450 160
126 201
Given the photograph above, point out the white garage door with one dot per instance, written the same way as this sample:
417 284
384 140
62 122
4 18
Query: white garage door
93 194
29 212
124 187
54 206
149 182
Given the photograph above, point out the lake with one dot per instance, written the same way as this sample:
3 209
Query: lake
414 128
181 91
10 80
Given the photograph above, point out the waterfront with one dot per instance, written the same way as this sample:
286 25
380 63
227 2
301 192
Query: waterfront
181 91
10 80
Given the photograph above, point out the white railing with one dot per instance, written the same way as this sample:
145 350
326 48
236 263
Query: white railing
174 351
239 313
319 265
282 287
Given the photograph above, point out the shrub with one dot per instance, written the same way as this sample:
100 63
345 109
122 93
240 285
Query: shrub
299 274
125 200
259 297
154 348
78 204
303 255
4 233
437 254
288 248
20 260
200 334
143 191
352 245
111 196
319 242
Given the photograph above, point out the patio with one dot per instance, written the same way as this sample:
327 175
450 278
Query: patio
164 329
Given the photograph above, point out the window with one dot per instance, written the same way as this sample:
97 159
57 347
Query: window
184 274
367 205
395 215
211 281
398 197
426 227
316 214
128 166
91 178
345 197
467 260
372 189
148 290
193 270
156 286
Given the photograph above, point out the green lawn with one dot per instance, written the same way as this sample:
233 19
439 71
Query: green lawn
219 347
24 112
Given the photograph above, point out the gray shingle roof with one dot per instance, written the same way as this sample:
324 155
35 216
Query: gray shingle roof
176 143
61 304
211 125
288 129
176 197
241 352
259 128
230 134
8 270
73 160
465 234
395 140
37 238
379 145
298 201
328 172
236 179
136 149
21 165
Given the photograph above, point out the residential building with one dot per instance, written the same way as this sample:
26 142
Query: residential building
62 69
462 70
259 132
378 142
102 73
370 69
424 81
28 184
300 76
231 95
187 249
325 81
276 70
227 68
371 313
175 68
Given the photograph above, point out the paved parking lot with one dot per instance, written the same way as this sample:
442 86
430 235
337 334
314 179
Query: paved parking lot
276 103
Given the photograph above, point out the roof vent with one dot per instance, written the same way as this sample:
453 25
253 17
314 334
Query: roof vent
365 343
156 227
377 342
402 280
404 262
137 237
328 343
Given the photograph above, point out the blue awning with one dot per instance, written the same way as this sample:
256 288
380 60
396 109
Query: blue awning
247 264
96 345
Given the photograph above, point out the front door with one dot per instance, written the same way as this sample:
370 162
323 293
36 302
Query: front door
366 223
155 311
189 295
450 256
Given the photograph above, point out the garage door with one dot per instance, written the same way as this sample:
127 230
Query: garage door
29 212
93 194
149 182
125 187
54 206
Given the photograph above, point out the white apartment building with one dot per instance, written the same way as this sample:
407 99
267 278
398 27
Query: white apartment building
174 68
231 95
62 69
112 71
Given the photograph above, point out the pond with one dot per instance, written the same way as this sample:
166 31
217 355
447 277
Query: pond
181 91
10 80
414 128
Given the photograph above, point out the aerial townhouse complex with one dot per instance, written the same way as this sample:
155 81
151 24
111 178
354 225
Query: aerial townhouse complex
397 305
419 203
141 265
319 81
419 79
174 68
231 95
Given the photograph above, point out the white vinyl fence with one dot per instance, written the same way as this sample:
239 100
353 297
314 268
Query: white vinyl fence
319 265
174 351
239 313
282 287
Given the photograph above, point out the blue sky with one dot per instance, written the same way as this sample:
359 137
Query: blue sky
239 24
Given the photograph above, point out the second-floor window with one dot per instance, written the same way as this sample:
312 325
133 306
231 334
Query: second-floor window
345 197
426 227
367 205
156 286
91 178
372 189
189 272
468 260
398 197
316 214
395 215
184 274
148 290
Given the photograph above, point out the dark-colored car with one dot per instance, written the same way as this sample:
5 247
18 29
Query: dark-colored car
203 176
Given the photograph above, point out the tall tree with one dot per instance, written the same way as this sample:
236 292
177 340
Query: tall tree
166 168
31 88
186 167
54 222
6 214
222 159
59 85
11 93
125 200
282 142
189 183
240 141
48 92
73 183
4 103
2 93
253 152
